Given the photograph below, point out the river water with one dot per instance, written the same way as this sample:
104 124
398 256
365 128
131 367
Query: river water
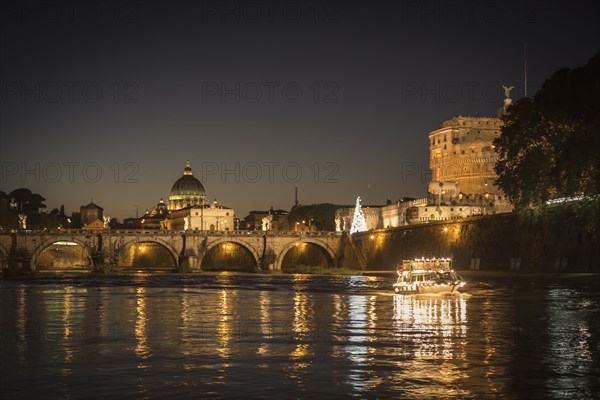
296 336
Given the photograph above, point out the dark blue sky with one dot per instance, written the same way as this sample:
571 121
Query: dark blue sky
132 90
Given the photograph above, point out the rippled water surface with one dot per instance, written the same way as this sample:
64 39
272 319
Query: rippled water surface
228 335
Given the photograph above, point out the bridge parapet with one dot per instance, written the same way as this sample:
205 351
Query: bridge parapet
167 232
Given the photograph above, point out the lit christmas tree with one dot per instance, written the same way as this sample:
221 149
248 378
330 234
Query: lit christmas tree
359 224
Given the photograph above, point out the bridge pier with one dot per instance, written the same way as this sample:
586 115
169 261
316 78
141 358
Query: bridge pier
190 258
189 263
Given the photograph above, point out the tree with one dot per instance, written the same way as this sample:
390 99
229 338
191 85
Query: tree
359 224
548 146
322 216
26 201
526 156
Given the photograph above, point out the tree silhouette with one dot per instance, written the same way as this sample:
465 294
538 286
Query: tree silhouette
549 145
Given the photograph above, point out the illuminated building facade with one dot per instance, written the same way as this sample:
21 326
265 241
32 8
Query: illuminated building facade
188 209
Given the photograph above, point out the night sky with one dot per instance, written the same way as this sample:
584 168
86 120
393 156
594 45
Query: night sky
110 99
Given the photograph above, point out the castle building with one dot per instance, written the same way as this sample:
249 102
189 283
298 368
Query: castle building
461 159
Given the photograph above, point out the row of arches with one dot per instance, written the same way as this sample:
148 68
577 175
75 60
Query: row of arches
151 256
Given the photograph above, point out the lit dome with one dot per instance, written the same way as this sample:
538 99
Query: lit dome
186 191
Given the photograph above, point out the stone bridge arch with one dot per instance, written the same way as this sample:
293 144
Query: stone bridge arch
320 243
49 242
121 251
251 247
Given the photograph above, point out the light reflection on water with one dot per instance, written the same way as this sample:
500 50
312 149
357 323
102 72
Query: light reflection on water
299 336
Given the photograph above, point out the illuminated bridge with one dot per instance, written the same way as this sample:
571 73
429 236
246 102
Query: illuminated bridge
189 251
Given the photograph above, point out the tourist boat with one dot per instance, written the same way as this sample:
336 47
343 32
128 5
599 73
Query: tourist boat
424 276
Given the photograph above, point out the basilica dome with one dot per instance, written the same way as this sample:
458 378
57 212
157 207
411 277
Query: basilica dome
186 191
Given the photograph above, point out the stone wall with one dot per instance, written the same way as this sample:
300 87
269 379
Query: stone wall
557 243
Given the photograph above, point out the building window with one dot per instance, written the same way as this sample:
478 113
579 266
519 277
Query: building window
462 152
196 212
227 214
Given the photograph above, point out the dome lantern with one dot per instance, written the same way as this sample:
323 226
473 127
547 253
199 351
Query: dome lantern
188 168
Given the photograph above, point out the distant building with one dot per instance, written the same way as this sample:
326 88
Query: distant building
90 213
131 223
95 225
423 214
394 214
345 216
187 207
273 220
213 217
156 218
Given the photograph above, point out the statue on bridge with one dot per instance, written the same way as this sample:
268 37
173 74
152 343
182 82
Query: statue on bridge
266 223
23 221
106 222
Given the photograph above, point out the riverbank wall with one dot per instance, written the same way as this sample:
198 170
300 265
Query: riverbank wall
557 242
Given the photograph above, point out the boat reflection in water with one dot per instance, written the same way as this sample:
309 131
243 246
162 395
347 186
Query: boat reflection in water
432 331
